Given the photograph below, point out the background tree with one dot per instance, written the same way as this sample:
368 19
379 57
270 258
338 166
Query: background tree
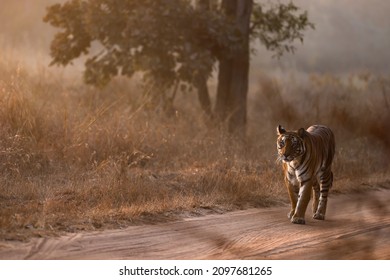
233 74
175 43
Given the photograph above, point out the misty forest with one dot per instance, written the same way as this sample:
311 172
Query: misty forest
117 113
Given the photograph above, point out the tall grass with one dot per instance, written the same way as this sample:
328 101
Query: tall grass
77 158
355 107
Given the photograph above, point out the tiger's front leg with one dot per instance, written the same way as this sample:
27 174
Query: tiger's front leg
292 185
303 201
293 194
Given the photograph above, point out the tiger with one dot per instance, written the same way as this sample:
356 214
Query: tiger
307 157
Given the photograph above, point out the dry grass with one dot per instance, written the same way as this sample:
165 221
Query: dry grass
355 107
76 158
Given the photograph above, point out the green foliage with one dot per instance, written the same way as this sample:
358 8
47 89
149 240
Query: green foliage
278 26
168 41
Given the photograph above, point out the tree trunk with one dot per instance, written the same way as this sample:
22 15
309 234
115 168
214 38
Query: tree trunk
204 97
201 85
231 104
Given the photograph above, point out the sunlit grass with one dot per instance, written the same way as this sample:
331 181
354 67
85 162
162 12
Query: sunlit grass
77 158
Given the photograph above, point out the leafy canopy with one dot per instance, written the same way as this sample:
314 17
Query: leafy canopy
170 41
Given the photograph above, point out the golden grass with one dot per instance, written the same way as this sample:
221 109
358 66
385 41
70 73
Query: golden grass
77 158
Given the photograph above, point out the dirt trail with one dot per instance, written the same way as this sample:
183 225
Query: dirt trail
357 227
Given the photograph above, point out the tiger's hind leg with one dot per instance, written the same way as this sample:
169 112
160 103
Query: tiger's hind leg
316 197
326 181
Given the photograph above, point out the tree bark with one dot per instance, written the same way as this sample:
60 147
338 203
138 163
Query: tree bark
232 91
204 96
201 85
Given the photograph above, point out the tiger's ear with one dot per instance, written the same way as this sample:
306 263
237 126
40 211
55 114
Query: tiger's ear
301 132
280 130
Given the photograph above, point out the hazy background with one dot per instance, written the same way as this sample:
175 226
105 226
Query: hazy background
350 37
74 157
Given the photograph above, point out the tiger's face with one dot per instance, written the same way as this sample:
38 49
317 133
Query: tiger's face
290 144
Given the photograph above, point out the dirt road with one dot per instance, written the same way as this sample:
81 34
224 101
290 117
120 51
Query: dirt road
357 227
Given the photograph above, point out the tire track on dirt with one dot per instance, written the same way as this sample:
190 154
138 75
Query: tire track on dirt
357 227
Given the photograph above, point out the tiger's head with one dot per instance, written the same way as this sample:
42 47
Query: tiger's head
290 144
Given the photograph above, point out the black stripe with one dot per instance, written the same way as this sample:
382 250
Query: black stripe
306 167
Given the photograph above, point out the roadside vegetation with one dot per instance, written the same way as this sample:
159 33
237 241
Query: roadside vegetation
74 158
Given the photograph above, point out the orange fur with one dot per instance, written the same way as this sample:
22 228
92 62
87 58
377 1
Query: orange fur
307 157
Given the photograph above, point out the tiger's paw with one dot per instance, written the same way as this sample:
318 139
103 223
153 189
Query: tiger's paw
290 214
319 216
298 220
